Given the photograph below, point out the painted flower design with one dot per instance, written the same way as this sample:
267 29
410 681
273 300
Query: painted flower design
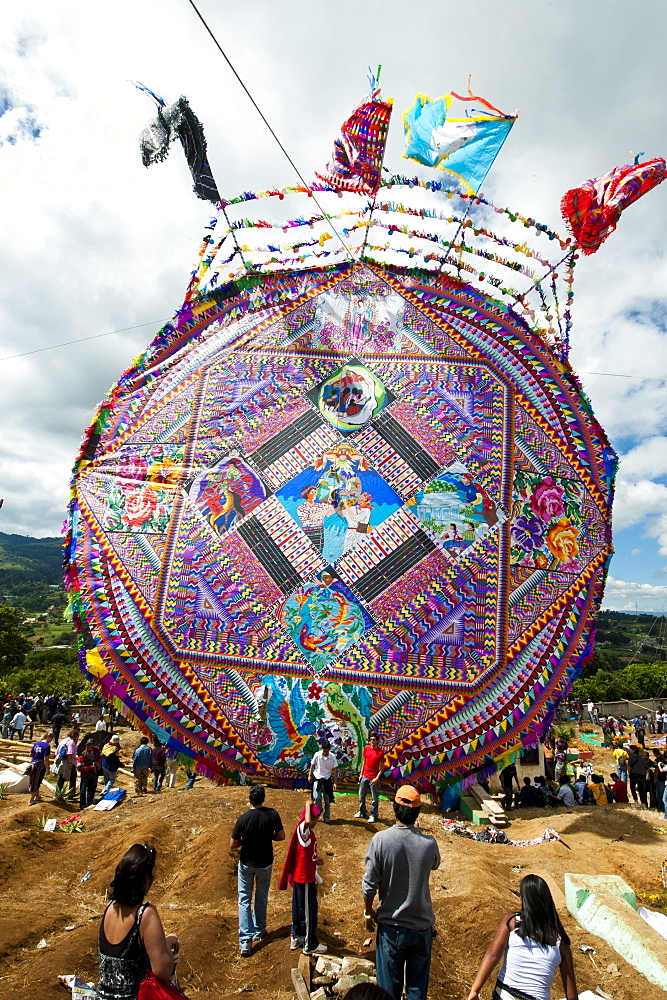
166 471
134 469
563 541
546 500
527 533
315 691
541 560
139 507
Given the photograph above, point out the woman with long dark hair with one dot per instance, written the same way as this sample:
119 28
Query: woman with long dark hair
532 945
132 942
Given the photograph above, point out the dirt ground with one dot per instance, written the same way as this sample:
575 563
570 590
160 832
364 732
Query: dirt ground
195 890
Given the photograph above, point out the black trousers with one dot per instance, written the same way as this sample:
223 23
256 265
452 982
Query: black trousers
304 913
637 784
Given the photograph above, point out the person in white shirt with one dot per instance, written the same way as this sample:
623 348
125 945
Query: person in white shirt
323 775
18 724
100 725
532 945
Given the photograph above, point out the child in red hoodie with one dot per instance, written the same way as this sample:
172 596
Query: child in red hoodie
300 871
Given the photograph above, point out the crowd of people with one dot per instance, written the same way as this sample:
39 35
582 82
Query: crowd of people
566 785
67 754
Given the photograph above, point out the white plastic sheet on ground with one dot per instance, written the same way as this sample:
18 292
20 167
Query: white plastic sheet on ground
16 781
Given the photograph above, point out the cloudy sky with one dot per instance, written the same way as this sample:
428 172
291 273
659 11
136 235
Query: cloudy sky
92 242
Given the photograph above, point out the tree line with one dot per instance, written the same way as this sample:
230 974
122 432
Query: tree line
24 669
636 681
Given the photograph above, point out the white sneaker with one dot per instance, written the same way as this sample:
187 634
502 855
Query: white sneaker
321 949
295 942
372 819
360 815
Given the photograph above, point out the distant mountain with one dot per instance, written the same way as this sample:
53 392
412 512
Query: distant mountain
24 559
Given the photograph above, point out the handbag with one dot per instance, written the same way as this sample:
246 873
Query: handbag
152 988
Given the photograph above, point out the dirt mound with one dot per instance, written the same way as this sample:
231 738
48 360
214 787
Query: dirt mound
195 891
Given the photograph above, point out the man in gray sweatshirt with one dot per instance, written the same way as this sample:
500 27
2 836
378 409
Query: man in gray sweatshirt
399 863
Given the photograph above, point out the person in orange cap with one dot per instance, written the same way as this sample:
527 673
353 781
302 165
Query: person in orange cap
399 862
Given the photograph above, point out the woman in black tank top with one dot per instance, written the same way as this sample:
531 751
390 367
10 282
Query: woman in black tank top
132 942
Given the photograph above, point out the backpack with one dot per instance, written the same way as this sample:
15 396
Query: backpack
62 752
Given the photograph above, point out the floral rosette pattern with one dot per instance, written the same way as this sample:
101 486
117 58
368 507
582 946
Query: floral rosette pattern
547 523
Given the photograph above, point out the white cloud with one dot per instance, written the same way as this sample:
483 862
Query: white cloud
648 459
634 502
628 596
635 552
656 527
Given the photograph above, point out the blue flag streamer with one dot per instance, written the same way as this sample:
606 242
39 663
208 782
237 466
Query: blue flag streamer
465 145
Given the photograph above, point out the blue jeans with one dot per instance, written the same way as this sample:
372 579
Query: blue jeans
252 921
109 779
318 795
304 913
403 954
366 786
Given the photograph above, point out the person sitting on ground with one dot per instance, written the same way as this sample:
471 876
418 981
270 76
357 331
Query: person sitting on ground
132 942
598 789
543 788
619 789
529 797
579 788
533 945
565 794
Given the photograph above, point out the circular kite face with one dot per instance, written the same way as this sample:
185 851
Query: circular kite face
377 503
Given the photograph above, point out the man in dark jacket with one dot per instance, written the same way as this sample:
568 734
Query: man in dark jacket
637 769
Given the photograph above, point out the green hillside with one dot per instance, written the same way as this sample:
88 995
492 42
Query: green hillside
30 558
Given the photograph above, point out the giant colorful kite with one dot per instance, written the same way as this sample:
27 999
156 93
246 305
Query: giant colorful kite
354 485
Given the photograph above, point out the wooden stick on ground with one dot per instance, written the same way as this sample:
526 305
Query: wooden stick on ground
300 985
